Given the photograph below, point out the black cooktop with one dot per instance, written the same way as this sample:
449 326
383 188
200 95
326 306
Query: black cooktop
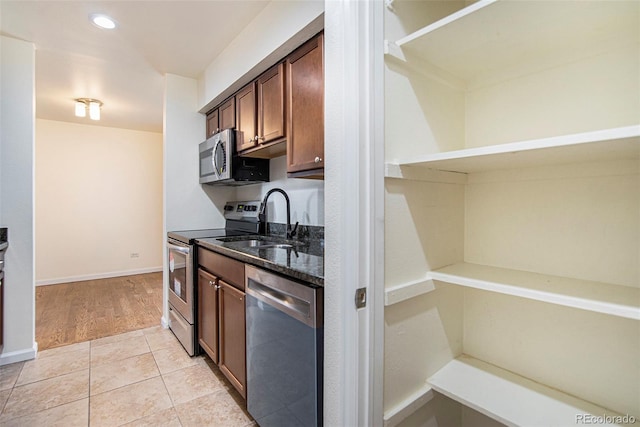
189 236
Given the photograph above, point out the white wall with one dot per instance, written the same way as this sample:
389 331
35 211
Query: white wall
306 196
17 115
99 200
287 24
188 204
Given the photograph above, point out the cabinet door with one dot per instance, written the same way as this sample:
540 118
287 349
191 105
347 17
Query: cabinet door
212 123
270 85
246 117
208 313
228 114
232 336
305 106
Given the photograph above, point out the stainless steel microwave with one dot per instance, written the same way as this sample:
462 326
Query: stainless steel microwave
220 164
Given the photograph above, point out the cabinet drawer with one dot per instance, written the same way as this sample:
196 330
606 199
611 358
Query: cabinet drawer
228 269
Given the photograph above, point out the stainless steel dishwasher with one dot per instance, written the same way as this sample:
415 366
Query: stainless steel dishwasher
284 350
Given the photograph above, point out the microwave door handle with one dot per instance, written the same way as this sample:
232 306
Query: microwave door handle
213 158
213 162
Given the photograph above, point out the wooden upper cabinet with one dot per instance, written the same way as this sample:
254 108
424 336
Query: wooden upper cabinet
212 123
282 111
246 117
222 117
271 123
305 108
227 112
265 97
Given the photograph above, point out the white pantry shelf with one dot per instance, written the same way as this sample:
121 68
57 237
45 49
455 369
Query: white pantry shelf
615 300
511 399
601 145
495 34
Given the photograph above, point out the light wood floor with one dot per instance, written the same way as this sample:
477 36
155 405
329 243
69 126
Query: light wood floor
69 313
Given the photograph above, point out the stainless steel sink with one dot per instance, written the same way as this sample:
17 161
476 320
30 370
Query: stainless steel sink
255 243
276 246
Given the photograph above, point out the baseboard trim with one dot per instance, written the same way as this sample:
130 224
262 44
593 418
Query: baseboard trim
19 355
164 322
45 282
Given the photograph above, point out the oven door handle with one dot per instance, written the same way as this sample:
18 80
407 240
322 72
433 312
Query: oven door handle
181 249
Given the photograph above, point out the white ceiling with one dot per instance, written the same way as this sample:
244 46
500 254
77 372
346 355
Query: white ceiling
124 67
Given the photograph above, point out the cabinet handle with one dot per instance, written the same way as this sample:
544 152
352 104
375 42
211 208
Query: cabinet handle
317 160
261 138
211 283
217 287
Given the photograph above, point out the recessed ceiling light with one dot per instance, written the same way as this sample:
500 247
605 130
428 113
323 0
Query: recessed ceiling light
102 21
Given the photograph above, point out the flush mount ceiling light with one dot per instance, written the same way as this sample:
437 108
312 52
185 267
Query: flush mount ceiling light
102 21
93 105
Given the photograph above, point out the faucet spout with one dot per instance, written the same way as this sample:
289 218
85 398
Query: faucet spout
262 215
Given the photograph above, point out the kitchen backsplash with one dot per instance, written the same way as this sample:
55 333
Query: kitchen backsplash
304 232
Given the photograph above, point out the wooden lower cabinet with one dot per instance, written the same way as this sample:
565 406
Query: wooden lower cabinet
208 313
221 314
232 336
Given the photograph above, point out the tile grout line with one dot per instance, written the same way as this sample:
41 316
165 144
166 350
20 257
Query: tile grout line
42 410
13 386
147 339
167 389
173 404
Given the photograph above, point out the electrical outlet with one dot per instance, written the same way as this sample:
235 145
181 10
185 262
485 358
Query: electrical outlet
135 255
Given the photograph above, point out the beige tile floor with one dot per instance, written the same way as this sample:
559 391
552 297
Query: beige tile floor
140 378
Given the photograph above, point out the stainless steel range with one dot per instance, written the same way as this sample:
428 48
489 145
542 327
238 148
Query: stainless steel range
240 218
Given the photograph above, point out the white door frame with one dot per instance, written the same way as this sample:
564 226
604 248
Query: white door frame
354 212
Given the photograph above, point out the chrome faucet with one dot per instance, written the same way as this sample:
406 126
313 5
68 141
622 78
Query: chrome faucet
262 215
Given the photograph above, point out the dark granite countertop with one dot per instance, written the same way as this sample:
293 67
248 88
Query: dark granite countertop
303 261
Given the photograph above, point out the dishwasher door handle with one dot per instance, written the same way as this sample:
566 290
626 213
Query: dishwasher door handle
289 304
292 298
